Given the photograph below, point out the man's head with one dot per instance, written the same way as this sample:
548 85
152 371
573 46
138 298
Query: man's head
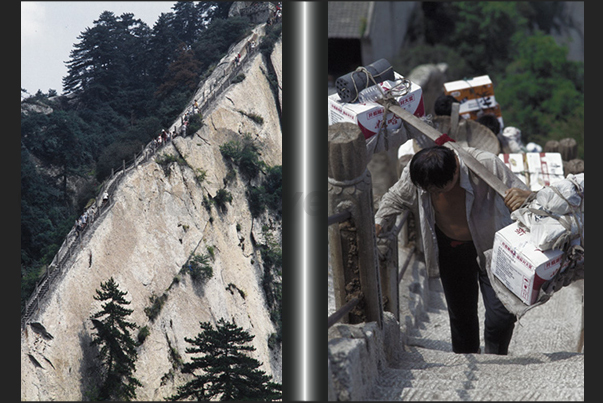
434 169
490 121
443 105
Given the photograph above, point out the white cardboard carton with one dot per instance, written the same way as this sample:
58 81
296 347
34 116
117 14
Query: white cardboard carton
476 96
516 162
521 266
536 170
544 169
369 116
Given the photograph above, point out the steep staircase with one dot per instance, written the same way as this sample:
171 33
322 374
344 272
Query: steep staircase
207 93
542 364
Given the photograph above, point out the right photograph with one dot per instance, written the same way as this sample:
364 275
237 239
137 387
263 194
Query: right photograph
456 201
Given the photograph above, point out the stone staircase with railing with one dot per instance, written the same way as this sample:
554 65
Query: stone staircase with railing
413 360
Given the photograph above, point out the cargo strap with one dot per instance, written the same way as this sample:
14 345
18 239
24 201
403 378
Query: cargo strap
416 127
368 74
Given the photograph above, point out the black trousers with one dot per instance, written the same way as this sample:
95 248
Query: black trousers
460 275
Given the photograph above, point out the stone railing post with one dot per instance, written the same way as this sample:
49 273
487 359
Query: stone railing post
387 245
352 243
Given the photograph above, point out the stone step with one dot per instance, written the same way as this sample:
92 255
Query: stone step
398 380
416 394
435 375
425 358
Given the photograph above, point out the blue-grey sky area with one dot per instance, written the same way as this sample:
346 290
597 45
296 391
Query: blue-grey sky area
50 28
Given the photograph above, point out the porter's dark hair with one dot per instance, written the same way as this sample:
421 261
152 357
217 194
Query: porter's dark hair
490 121
443 105
432 167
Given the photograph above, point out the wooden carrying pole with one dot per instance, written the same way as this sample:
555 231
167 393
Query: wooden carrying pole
416 127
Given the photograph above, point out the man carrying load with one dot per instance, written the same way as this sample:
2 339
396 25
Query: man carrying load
459 214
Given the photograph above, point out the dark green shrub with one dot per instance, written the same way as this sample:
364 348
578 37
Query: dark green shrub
156 304
222 197
195 123
238 78
198 267
231 150
143 333
253 116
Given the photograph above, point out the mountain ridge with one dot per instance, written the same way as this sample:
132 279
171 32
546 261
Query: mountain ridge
158 221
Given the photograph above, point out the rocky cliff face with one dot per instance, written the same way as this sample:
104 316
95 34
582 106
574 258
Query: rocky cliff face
157 221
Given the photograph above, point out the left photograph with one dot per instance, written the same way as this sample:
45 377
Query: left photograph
151 208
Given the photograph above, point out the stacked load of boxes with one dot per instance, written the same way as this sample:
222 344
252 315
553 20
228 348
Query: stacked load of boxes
476 97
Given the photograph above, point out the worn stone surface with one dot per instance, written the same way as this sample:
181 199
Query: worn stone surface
543 363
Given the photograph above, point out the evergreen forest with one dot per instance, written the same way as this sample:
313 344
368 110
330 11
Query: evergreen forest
540 91
126 82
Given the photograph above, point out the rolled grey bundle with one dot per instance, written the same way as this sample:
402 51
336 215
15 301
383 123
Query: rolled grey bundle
349 85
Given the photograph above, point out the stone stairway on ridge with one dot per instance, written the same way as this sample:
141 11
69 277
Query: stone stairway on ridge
542 364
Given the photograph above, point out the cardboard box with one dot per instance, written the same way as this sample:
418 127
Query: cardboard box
544 169
516 162
536 170
521 266
369 116
476 97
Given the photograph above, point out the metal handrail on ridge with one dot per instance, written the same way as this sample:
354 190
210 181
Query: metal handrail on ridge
96 211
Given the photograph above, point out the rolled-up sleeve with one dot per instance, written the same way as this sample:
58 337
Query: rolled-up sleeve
401 196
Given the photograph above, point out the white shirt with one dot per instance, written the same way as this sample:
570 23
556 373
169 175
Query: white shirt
485 208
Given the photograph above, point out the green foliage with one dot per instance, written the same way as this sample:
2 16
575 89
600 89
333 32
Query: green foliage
211 251
232 286
223 370
117 348
201 175
268 194
198 267
244 154
157 303
222 197
272 257
538 89
183 73
239 78
195 123
165 160
542 93
255 117
432 54
114 155
273 33
143 333
213 43
231 150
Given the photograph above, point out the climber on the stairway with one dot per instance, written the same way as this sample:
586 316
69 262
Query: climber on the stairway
458 216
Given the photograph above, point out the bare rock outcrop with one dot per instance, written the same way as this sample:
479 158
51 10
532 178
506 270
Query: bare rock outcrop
158 220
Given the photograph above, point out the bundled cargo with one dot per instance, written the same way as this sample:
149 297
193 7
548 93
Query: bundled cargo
521 266
476 96
546 238
369 116
536 170
556 215
544 169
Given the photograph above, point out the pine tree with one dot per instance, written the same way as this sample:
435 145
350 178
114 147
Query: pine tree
110 55
227 372
118 348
